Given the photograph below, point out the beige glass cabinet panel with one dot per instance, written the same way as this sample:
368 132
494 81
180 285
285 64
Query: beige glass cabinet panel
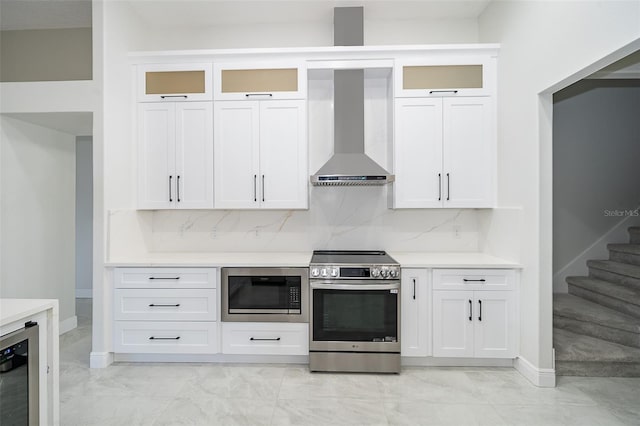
265 81
458 76
175 82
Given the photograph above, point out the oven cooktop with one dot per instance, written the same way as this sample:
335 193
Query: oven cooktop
352 257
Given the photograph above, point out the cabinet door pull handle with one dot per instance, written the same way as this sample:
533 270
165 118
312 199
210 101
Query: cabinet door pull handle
470 280
263 188
470 310
164 278
170 181
258 339
442 91
439 186
448 187
163 305
480 313
178 187
248 95
164 338
173 96
414 289
255 188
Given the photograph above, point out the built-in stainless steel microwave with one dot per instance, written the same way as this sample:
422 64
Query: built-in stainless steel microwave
265 294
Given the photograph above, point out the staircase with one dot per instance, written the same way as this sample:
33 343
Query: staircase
597 325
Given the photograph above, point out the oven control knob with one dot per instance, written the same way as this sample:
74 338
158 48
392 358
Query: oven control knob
384 273
323 272
393 273
375 272
315 272
334 272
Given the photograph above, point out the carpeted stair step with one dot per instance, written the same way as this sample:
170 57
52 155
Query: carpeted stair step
618 297
584 317
579 355
634 234
624 253
615 272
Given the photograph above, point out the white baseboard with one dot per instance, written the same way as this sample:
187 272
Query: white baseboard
100 359
68 324
429 361
84 293
541 377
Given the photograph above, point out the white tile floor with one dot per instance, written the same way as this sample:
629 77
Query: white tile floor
223 394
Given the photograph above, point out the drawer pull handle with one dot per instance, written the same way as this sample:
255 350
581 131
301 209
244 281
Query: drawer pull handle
163 305
248 95
468 280
258 339
442 91
164 278
164 338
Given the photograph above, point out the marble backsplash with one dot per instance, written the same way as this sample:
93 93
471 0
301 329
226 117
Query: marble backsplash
337 218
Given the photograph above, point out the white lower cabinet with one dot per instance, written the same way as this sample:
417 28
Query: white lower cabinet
253 338
415 317
165 311
474 323
165 337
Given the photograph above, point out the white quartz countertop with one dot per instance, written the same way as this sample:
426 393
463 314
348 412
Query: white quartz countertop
12 310
302 259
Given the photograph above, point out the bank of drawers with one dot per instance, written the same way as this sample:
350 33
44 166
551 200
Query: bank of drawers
165 310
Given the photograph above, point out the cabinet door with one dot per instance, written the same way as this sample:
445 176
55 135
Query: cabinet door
414 323
236 161
156 156
468 152
194 155
453 323
283 180
174 82
494 324
418 153
260 81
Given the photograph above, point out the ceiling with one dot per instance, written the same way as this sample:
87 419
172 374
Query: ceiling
176 13
73 123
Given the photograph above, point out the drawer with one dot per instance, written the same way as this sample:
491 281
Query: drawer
265 338
165 304
165 337
473 279
165 278
175 82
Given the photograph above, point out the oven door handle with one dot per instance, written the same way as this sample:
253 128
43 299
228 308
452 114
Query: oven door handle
340 286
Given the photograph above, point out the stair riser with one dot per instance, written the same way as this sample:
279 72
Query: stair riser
604 300
598 331
598 369
618 256
613 278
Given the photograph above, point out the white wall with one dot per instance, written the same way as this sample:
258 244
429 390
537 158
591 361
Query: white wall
37 211
84 216
542 44
596 166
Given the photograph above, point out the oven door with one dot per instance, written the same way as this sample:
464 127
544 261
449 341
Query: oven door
361 316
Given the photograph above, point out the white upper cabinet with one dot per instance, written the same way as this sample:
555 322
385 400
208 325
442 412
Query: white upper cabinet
175 155
444 153
175 82
260 81
445 76
261 155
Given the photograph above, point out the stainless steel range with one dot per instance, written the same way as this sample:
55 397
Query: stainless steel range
355 312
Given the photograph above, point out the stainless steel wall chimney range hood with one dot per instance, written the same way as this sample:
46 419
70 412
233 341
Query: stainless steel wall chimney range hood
349 165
